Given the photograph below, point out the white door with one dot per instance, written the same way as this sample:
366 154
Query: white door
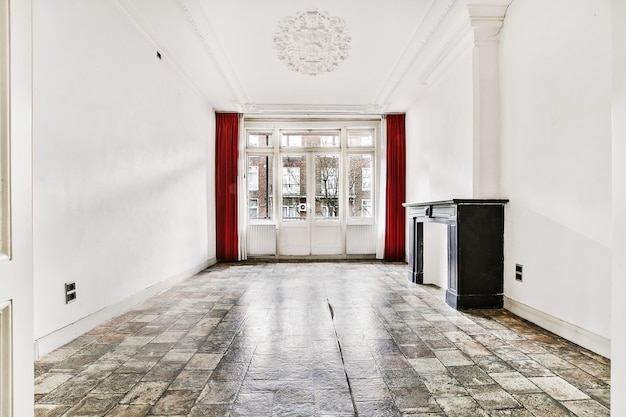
311 212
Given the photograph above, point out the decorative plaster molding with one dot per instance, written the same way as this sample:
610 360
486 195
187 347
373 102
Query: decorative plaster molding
215 52
312 42
487 21
422 35
299 109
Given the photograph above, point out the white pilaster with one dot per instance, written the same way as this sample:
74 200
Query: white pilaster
486 19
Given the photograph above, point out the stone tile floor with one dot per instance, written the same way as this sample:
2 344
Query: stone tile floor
317 339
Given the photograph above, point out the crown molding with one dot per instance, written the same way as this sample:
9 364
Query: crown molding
437 12
194 13
299 109
134 16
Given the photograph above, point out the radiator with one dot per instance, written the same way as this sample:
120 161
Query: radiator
361 239
261 239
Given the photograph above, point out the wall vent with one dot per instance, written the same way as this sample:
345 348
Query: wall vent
518 272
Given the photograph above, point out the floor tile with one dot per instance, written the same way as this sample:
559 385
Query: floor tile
317 339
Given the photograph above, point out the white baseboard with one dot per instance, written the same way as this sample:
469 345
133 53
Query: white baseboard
589 340
60 337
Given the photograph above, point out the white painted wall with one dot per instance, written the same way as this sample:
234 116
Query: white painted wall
123 186
618 334
16 274
439 137
556 160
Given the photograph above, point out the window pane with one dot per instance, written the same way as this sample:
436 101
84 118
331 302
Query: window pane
327 186
360 138
260 177
294 205
360 185
259 140
315 140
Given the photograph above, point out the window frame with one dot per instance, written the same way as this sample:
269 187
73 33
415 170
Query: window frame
279 126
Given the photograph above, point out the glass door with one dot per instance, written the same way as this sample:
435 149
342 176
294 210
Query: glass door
295 207
326 231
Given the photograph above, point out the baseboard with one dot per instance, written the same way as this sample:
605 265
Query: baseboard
60 337
589 340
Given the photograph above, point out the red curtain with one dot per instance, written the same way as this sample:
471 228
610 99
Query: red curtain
226 157
396 188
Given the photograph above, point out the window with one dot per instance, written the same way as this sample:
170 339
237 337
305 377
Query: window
260 177
260 140
360 175
253 178
311 140
291 213
291 180
366 179
366 207
253 208
357 138
327 185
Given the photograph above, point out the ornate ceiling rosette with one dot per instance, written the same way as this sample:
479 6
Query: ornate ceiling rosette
312 42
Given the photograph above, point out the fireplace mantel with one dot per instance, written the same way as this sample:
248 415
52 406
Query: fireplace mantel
475 230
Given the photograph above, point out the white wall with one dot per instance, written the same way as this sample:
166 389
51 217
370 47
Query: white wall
439 154
618 335
123 186
556 162
439 137
16 274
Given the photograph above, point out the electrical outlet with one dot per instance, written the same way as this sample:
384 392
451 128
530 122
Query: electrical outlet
519 269
70 292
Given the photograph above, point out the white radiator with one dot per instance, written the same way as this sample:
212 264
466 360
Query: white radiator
261 239
361 239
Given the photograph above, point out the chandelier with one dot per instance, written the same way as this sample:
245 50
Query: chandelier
312 42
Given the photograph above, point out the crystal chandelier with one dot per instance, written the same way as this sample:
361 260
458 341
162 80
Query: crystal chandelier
312 42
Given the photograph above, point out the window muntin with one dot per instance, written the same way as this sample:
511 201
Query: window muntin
260 188
360 187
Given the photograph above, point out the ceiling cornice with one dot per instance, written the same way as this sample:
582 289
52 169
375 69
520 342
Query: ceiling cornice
197 19
151 34
436 13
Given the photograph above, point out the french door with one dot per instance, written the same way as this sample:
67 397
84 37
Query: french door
311 209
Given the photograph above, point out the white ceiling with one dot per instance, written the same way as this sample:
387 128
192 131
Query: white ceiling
225 49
